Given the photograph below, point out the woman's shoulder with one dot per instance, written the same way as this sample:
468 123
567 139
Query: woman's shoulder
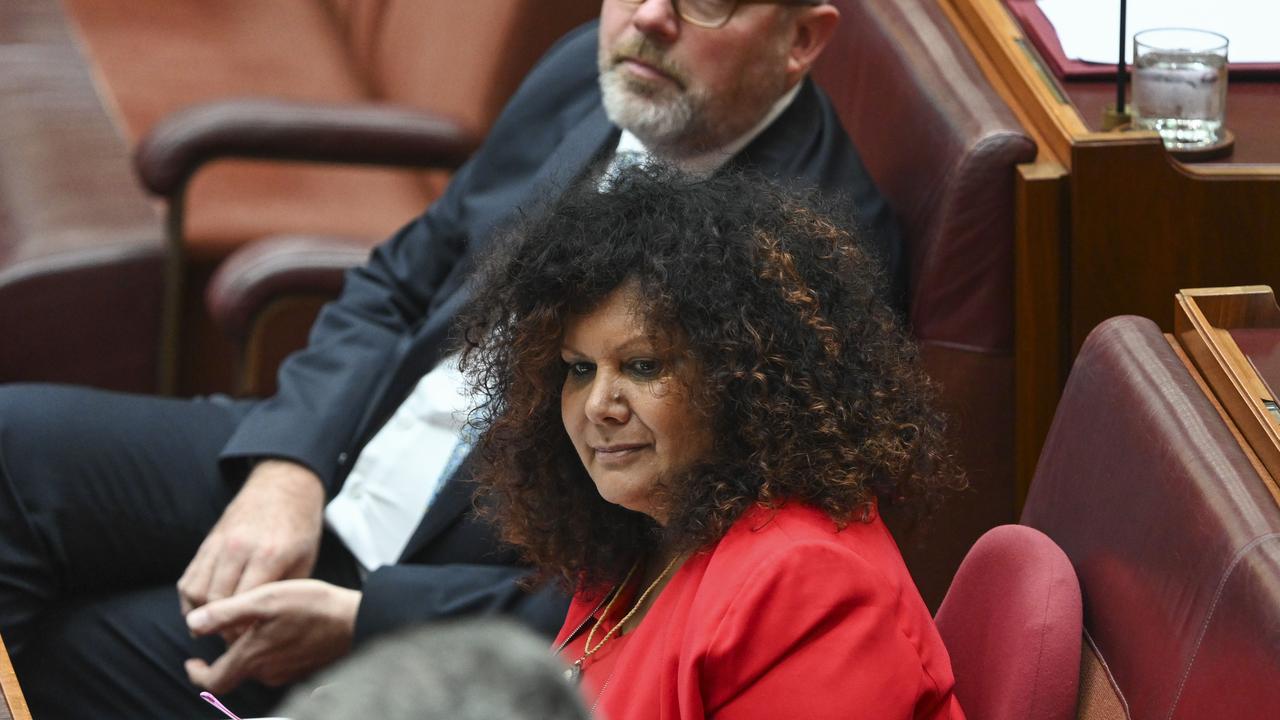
797 531
789 585
796 548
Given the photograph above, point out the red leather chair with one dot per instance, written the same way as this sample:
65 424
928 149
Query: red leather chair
1011 623
83 263
342 62
404 88
1173 534
942 147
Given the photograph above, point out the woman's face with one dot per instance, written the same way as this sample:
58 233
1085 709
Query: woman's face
626 405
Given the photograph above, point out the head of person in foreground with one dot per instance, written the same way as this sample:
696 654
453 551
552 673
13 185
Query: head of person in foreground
461 670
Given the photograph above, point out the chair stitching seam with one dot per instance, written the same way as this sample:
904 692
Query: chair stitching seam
1111 678
1044 618
1213 607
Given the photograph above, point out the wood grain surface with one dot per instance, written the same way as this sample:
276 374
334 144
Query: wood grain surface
14 706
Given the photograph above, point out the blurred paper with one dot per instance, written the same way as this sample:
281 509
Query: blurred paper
1088 29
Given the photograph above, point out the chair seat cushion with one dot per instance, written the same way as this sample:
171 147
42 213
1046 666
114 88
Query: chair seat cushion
1012 624
197 51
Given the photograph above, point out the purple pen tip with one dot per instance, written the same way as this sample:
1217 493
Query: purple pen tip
209 698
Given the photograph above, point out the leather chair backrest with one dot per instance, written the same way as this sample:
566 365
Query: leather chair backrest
197 52
359 21
1174 535
459 59
942 146
1011 624
463 59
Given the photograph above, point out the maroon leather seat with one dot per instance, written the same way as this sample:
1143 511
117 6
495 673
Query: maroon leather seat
942 147
81 249
1173 534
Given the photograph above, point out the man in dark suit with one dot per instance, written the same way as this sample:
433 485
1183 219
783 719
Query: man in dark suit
106 498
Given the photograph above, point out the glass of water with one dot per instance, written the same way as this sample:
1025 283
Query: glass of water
1180 86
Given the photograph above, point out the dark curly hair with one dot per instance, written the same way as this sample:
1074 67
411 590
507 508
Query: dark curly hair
812 390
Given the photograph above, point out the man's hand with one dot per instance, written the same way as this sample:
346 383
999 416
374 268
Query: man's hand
270 531
294 628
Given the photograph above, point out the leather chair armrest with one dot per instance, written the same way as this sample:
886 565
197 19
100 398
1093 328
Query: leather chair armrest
284 130
274 268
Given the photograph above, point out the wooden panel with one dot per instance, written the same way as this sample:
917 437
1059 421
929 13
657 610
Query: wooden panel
1194 372
1202 321
14 706
1142 227
281 328
1040 305
1227 308
1034 91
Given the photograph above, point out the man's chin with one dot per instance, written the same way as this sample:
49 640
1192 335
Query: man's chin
658 116
651 122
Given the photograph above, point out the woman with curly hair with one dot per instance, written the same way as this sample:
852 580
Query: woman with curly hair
694 403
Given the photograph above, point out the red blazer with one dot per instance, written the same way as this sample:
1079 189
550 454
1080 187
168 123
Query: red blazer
785 617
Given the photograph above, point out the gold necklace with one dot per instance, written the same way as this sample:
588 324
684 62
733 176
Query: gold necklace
574 672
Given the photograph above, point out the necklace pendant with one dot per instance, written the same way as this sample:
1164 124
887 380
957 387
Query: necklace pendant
573 673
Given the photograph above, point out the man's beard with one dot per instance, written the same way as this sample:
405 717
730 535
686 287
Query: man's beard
657 121
661 115
680 119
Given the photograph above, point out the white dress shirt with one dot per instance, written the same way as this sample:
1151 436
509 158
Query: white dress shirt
401 469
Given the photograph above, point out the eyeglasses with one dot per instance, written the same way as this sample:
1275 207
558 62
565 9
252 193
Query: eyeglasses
715 13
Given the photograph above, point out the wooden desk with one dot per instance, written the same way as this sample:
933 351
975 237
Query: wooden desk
1107 222
12 705
1231 336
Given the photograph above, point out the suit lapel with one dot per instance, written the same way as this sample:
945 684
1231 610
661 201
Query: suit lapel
451 503
581 145
418 354
783 148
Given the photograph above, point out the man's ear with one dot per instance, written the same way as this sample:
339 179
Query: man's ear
813 28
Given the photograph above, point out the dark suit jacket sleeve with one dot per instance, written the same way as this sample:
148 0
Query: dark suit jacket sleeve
453 566
327 388
399 595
